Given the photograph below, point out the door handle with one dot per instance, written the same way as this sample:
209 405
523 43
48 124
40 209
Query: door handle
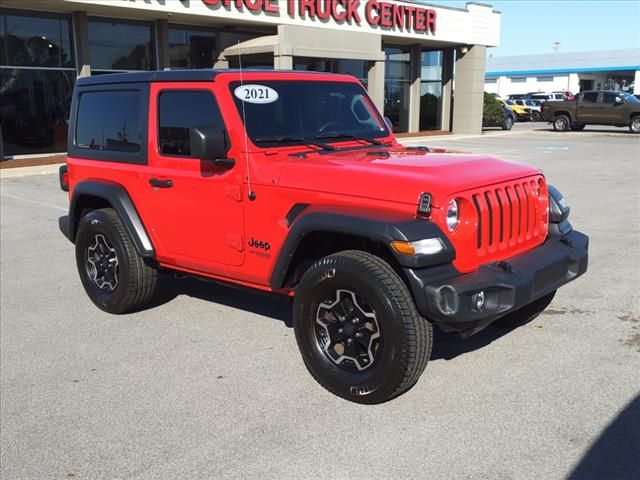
160 183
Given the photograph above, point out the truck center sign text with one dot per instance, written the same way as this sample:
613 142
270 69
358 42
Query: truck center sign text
376 13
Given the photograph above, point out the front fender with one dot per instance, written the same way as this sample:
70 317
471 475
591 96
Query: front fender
383 227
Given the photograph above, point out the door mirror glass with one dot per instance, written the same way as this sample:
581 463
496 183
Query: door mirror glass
208 143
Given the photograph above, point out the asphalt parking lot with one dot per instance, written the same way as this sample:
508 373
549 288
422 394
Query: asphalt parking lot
209 383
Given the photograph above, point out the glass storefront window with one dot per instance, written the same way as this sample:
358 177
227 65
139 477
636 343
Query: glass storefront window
397 87
117 45
356 68
192 48
34 109
35 40
431 90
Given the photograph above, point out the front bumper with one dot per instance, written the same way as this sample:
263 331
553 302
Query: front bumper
447 297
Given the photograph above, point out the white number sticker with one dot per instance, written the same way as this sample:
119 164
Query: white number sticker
256 94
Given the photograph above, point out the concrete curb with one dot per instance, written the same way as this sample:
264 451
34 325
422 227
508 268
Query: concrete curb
26 171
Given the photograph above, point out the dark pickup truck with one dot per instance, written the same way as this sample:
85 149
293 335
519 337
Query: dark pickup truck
594 108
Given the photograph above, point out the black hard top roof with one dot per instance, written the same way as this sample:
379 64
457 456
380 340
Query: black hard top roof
201 75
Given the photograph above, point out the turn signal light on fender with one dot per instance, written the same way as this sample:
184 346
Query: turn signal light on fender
428 246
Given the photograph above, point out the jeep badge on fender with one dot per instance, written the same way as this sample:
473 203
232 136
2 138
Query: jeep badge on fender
221 161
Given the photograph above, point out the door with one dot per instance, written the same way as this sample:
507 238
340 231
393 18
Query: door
587 107
197 206
613 111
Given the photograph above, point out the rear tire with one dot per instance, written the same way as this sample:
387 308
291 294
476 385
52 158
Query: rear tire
535 116
525 314
634 125
358 330
561 123
115 277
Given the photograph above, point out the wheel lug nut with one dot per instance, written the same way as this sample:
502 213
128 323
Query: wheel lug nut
358 335
355 320
349 340
340 330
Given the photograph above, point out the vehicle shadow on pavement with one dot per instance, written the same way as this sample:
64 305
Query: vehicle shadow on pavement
589 130
269 305
447 346
616 453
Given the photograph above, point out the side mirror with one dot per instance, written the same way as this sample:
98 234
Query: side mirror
389 123
210 143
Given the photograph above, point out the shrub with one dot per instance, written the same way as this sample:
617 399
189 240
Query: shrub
492 110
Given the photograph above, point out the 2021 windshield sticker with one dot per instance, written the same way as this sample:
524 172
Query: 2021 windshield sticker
254 93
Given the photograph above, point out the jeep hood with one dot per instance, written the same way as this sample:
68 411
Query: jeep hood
398 175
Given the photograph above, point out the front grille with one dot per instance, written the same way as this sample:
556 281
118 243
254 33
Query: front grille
509 219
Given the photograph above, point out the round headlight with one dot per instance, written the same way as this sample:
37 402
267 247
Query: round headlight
453 215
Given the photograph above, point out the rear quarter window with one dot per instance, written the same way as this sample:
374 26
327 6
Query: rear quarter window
109 121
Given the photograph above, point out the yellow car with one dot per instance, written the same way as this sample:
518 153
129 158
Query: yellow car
523 113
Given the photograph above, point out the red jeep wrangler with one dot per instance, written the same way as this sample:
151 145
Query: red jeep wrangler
293 183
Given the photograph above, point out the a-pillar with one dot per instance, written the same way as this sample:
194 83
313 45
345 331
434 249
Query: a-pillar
469 89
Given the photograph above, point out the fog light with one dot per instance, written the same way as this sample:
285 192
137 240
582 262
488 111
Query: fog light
478 300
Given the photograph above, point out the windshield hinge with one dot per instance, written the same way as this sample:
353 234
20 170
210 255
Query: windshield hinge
236 242
234 191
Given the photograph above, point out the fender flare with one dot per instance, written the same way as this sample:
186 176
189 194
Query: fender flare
121 202
383 227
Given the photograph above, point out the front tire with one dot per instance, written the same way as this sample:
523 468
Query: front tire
561 123
535 116
358 329
634 125
115 277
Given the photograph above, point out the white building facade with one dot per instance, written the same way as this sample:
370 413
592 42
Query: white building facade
573 72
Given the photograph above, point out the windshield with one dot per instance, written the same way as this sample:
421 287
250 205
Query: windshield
510 102
628 98
295 112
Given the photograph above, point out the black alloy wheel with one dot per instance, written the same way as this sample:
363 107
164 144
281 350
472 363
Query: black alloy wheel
357 328
116 278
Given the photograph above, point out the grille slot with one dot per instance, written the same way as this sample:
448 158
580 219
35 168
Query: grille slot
509 218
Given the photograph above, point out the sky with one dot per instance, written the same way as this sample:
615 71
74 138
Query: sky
532 26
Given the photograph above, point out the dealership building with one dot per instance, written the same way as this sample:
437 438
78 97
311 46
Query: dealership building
573 72
404 52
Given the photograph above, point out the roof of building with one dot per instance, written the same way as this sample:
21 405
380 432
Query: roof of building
573 62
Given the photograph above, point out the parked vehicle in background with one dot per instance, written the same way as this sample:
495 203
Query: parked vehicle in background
534 106
594 108
565 93
516 96
522 113
544 97
505 122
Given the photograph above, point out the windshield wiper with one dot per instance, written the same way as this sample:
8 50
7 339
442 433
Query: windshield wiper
285 139
348 135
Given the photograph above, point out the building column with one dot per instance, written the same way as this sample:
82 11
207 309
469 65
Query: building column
283 56
414 92
162 44
447 88
81 43
375 87
469 90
